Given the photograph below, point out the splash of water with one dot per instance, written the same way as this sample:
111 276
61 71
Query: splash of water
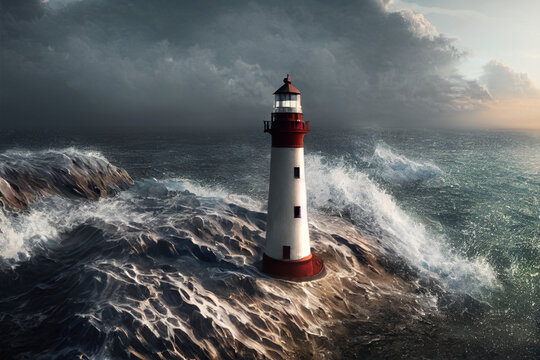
336 187
397 168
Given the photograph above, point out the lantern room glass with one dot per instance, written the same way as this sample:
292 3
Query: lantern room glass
287 103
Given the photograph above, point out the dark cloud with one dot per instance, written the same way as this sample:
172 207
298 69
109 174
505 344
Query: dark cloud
503 82
21 9
94 62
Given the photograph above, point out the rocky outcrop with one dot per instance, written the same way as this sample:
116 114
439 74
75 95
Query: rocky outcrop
25 176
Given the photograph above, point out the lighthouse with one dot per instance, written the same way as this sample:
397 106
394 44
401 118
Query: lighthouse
287 253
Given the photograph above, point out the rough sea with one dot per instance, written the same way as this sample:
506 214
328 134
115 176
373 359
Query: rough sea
147 245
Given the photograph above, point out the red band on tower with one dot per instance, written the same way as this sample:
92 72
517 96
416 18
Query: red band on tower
303 268
287 129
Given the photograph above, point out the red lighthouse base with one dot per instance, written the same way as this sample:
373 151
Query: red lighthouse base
303 269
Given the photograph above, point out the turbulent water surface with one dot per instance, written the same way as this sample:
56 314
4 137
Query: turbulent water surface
147 246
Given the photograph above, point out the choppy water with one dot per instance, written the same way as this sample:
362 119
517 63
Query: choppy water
431 243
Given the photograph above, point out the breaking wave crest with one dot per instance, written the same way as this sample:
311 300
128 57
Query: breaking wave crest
27 177
343 190
399 169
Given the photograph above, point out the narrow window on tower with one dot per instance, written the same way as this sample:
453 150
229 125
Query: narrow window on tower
297 172
297 211
286 252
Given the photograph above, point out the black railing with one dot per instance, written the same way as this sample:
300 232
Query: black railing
297 125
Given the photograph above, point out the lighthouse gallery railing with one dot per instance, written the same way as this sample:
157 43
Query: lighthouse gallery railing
298 125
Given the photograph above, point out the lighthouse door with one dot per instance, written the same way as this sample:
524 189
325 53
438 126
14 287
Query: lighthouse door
286 252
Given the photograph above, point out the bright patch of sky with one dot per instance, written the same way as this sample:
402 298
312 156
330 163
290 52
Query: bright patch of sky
502 30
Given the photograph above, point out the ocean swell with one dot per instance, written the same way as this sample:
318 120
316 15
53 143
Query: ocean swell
161 271
170 268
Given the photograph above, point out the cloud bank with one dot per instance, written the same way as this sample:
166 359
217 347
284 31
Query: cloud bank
515 99
503 82
97 62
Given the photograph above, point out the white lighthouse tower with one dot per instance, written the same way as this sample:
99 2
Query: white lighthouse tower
288 253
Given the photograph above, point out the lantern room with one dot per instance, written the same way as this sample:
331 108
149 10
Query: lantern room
287 98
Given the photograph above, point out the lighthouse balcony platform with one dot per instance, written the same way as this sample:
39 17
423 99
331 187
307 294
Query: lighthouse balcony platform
300 125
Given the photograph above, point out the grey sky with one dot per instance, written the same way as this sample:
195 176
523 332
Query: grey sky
98 62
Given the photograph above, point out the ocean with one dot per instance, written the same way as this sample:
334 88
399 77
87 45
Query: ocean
147 245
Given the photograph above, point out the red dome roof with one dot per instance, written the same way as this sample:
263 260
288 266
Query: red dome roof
287 88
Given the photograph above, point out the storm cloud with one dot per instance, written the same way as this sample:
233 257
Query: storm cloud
98 62
504 82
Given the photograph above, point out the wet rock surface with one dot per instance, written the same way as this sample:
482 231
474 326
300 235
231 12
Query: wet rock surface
70 174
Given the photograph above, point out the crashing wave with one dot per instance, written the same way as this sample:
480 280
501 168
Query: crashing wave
163 271
399 169
353 195
170 268
25 176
